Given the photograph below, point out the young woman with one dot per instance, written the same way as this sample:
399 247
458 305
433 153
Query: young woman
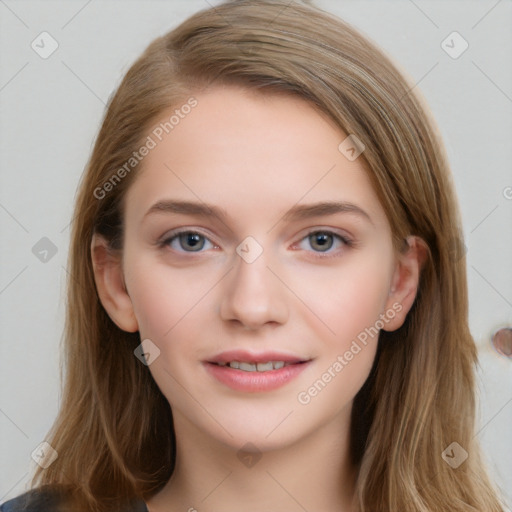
265 308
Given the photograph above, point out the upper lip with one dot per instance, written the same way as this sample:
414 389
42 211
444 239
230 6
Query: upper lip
255 357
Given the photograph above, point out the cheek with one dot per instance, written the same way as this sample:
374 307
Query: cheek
170 306
349 305
163 296
341 302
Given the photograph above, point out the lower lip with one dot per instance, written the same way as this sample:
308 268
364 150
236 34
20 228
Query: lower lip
254 382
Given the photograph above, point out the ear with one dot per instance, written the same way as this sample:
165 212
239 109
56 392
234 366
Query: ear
405 281
108 275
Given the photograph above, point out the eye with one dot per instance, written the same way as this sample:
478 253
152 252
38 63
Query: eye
187 241
322 241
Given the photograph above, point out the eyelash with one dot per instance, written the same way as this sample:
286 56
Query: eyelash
165 243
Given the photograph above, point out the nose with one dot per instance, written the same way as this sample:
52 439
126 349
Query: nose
253 296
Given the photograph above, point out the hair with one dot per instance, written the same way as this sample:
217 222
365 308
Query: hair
114 431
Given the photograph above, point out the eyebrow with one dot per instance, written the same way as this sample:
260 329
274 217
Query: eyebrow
297 212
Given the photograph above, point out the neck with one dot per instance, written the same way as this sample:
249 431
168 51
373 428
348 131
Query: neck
312 474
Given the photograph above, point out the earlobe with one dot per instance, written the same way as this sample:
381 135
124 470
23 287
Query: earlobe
405 281
108 276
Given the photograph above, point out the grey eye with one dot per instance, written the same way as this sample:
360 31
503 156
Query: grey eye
321 241
188 241
192 241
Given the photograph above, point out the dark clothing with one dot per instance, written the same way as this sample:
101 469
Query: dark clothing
38 500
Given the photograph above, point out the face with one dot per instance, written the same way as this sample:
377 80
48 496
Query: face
266 278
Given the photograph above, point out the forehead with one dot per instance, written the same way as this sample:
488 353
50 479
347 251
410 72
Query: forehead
239 148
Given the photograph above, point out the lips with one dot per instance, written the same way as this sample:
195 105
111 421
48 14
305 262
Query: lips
255 372
247 366
254 358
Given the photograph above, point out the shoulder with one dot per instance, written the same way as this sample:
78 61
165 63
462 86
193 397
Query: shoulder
51 499
43 499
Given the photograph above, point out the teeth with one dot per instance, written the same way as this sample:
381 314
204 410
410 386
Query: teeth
247 367
264 367
256 367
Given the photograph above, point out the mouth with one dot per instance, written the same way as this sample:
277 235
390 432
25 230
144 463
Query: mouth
246 366
243 371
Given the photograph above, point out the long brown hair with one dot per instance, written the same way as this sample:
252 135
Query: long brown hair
114 432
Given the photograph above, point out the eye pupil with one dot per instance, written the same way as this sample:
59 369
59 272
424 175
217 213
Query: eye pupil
321 241
192 241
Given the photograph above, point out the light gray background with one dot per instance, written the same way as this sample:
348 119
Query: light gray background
50 112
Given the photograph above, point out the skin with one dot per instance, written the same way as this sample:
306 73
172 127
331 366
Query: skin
256 155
